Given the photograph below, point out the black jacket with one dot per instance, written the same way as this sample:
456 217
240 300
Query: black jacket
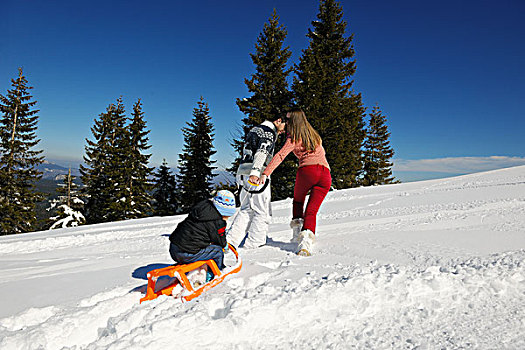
203 226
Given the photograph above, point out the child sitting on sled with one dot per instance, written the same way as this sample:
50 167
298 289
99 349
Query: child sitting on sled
201 236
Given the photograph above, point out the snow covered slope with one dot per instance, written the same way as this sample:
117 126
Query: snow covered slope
427 265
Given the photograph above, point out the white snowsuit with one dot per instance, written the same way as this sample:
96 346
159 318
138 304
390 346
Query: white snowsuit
253 218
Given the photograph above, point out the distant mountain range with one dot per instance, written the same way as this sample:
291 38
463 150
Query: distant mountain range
52 171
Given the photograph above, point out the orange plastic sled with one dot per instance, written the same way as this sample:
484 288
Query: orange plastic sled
179 271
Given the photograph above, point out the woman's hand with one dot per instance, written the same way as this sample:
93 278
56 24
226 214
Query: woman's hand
254 180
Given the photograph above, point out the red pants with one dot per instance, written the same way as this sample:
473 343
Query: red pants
317 180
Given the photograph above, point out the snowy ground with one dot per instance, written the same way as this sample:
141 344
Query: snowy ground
429 265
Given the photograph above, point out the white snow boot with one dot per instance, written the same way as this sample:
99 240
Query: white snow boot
197 277
306 243
229 257
297 226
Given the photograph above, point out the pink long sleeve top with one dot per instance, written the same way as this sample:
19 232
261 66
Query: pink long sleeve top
317 157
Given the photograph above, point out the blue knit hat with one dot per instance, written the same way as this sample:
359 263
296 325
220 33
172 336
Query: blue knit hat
224 201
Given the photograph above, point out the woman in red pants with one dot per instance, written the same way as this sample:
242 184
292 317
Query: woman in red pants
313 175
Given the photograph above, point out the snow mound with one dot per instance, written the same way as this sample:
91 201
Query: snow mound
427 265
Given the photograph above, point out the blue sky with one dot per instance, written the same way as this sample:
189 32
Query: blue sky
448 75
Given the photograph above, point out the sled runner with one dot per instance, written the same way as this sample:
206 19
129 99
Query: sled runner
179 271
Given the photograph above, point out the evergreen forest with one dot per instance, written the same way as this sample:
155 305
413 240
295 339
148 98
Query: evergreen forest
117 181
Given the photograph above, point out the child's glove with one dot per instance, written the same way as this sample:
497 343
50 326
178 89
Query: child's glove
226 249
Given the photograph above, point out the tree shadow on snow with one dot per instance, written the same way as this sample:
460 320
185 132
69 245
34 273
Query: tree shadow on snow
286 246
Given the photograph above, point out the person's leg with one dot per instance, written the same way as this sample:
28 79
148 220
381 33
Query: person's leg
174 251
242 219
297 226
303 183
258 229
180 256
211 252
239 226
317 195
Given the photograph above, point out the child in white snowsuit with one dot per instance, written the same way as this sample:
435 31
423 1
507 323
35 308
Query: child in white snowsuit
253 218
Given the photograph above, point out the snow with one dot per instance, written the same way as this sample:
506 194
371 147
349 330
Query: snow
427 265
71 219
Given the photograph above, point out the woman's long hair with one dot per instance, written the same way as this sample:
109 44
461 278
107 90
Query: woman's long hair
300 130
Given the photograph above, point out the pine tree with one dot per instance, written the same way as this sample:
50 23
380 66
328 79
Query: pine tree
18 158
116 176
377 151
68 206
118 170
323 88
98 186
165 192
195 164
270 97
139 199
